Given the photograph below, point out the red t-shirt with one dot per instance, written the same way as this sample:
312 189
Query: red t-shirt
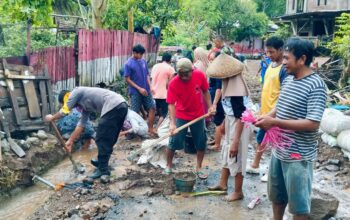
188 96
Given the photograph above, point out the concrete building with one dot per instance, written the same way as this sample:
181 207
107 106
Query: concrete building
314 18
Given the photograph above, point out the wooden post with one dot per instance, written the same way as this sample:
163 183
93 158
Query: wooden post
29 27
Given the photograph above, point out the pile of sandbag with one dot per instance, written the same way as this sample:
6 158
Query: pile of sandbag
336 128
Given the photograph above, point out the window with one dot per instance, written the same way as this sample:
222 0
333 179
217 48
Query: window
318 2
293 4
300 6
325 2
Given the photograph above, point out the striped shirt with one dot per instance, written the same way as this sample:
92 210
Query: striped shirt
301 99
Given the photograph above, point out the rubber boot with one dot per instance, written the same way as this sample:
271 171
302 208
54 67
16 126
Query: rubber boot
102 167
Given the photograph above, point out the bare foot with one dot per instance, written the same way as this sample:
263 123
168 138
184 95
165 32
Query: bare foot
234 197
254 165
217 188
214 148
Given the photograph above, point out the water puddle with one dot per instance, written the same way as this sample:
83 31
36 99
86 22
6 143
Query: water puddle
28 200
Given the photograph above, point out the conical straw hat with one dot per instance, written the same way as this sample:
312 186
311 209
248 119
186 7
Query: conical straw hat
224 66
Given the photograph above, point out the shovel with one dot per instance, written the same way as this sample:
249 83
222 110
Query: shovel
77 167
134 154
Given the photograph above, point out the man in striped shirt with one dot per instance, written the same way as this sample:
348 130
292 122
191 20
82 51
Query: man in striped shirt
299 109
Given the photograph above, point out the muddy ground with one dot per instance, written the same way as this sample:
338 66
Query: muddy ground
144 192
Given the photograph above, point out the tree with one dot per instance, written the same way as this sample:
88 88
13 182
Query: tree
340 45
240 20
97 8
38 12
271 8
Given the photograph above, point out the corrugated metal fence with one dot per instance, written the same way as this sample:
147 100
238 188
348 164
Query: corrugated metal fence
61 65
102 53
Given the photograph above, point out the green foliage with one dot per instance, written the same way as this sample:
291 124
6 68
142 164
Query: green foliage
15 43
147 13
271 8
37 11
240 20
341 42
284 32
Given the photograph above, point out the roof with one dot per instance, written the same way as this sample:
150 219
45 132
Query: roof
316 14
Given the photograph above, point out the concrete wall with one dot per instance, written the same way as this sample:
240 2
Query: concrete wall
312 5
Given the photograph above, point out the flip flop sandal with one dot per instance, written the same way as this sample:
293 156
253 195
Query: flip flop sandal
201 175
168 171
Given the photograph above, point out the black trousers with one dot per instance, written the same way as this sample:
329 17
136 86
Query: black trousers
107 133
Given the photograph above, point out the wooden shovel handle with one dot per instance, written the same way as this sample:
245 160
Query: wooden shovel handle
191 122
58 134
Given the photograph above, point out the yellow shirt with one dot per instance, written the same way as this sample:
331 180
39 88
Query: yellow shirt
271 89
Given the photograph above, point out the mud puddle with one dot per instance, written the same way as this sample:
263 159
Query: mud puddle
26 201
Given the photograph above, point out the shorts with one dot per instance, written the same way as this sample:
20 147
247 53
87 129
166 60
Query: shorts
290 182
199 137
162 107
138 100
260 136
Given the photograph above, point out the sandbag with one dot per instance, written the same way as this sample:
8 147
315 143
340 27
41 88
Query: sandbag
333 122
224 66
343 140
329 139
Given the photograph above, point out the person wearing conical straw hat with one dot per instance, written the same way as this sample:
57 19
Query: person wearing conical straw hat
184 97
236 138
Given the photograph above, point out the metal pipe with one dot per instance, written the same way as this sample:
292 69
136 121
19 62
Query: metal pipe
46 182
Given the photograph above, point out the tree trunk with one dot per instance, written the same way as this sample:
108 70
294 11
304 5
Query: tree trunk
98 7
29 27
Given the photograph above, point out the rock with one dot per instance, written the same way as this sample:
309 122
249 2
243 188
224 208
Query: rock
105 179
23 144
72 212
332 168
334 162
33 141
84 191
106 204
33 134
88 181
42 135
91 208
75 217
5 145
112 214
323 205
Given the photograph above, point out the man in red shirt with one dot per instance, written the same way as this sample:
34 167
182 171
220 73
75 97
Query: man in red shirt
184 97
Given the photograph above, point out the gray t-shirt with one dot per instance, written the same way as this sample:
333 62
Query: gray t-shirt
301 99
91 99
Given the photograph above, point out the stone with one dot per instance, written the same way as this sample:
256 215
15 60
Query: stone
332 168
42 135
33 134
106 204
72 212
91 208
33 141
23 144
75 217
84 191
5 145
334 162
105 179
323 205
